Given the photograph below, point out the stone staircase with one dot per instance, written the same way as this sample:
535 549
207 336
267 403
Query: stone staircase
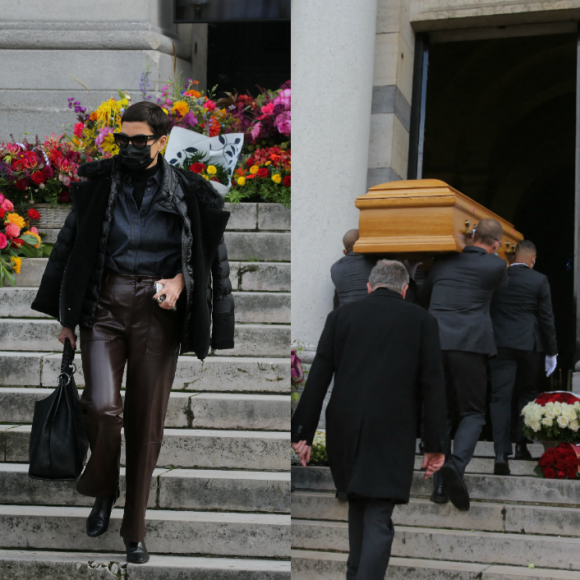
220 496
518 527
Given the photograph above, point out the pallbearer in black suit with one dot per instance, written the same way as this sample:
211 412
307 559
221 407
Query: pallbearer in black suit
458 293
525 336
382 352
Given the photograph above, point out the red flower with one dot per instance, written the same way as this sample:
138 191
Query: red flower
263 172
549 473
33 214
38 177
17 242
571 473
287 181
22 184
545 461
561 475
250 162
2 213
215 179
197 167
63 196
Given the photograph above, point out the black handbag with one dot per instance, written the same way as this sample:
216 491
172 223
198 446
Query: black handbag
58 442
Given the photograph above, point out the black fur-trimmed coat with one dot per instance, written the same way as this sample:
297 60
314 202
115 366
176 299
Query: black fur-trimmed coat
70 286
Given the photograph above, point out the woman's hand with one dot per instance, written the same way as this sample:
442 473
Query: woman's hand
70 334
172 290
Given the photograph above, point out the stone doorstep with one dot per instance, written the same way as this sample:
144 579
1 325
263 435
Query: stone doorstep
481 487
250 307
253 340
492 516
485 465
33 565
245 276
177 489
168 532
188 448
457 545
193 410
268 375
307 565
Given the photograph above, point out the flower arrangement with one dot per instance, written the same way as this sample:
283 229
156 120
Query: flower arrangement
559 462
38 172
18 239
297 374
197 163
263 176
553 416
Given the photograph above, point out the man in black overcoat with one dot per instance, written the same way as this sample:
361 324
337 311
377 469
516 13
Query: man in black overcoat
458 292
525 336
384 354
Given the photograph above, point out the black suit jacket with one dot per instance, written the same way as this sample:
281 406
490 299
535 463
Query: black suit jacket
458 292
384 353
350 276
522 313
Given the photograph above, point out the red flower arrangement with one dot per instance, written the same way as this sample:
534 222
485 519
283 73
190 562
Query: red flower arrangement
558 463
556 397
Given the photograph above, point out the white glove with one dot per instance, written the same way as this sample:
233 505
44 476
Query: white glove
550 365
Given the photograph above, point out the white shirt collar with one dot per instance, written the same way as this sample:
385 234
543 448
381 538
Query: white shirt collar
519 264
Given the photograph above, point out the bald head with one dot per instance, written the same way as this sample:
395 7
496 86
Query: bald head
526 253
488 234
349 240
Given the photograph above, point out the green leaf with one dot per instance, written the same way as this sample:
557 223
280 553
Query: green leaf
29 239
11 278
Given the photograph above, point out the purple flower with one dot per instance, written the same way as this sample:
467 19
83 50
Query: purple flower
283 123
256 130
190 119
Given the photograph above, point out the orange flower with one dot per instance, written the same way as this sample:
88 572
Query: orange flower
93 116
192 93
215 127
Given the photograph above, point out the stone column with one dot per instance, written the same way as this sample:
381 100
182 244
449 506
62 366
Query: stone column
392 93
49 50
332 77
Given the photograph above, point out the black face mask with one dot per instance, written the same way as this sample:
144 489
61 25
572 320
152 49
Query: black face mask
135 158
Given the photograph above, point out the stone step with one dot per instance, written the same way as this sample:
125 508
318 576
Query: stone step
309 565
487 516
34 565
250 307
176 489
494 488
168 532
193 410
245 276
250 339
243 246
454 545
268 375
485 449
189 448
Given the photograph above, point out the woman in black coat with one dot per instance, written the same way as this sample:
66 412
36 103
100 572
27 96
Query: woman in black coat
136 221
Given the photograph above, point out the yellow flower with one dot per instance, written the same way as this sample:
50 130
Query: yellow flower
207 177
35 236
16 264
254 169
276 178
267 163
181 108
15 219
211 169
241 181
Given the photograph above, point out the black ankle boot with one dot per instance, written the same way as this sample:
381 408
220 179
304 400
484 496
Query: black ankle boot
98 520
522 452
439 494
136 552
501 466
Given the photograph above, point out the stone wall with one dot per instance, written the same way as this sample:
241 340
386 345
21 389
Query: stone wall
49 50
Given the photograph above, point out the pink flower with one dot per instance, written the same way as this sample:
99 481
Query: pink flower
78 130
256 130
283 98
268 109
3 241
209 105
102 135
7 205
12 148
12 231
283 123
2 198
190 119
33 230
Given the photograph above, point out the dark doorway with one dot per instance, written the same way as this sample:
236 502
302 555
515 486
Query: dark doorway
501 128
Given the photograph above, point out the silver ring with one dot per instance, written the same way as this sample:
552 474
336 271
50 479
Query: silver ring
65 375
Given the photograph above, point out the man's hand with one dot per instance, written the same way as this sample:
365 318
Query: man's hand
433 462
70 334
551 364
171 289
303 451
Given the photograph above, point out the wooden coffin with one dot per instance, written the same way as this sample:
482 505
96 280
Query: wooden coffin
423 217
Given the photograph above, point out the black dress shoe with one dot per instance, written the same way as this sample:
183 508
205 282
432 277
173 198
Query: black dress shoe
439 494
456 487
522 452
136 552
501 466
98 520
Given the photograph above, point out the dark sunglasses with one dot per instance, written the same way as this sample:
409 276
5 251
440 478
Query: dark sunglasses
140 141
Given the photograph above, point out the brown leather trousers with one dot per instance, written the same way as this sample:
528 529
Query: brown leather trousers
130 327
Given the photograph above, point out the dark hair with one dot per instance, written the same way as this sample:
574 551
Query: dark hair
488 232
349 240
150 113
526 246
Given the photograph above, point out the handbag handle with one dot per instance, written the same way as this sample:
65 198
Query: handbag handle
67 364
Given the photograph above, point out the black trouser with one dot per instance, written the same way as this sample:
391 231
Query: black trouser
370 537
511 368
466 385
